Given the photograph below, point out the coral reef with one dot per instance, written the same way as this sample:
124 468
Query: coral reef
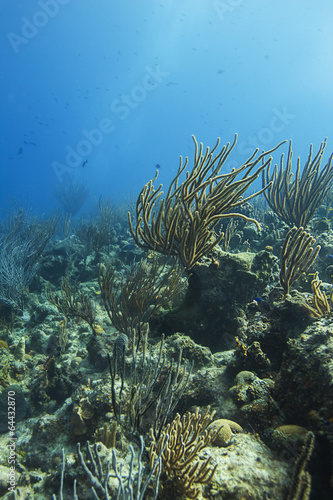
213 383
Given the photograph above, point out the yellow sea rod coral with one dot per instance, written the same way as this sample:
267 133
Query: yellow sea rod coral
186 436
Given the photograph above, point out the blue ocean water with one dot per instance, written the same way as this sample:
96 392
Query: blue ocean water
103 91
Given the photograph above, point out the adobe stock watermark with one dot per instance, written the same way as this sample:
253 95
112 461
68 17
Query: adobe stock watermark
120 108
223 7
30 27
279 121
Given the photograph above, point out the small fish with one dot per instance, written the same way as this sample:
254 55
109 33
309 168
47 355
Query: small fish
263 305
84 163
157 166
20 151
